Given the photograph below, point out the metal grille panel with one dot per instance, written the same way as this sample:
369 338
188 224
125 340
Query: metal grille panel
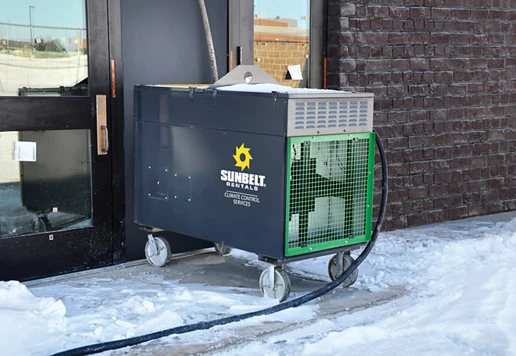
323 116
329 192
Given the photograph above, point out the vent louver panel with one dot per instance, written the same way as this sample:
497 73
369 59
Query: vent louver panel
345 115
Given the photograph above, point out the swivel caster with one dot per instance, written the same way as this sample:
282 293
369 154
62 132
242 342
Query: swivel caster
275 284
157 251
338 264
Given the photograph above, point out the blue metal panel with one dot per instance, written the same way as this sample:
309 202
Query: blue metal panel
247 214
260 113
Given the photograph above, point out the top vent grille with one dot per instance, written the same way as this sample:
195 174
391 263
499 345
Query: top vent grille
335 116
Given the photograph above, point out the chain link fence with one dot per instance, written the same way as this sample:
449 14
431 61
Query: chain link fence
42 60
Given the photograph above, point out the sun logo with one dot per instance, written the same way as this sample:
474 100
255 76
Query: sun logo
246 161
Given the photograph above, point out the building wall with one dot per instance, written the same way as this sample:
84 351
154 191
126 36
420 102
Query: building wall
275 57
10 171
444 77
279 44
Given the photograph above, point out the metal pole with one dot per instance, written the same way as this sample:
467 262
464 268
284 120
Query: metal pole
209 40
30 25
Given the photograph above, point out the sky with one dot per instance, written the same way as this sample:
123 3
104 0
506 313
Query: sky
53 13
59 13
293 9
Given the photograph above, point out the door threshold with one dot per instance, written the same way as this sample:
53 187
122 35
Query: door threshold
135 263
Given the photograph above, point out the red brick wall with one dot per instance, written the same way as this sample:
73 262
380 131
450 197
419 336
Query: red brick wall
444 77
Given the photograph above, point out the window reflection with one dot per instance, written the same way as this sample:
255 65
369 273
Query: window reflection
282 39
45 181
43 48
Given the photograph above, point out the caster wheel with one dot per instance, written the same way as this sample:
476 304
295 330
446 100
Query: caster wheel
157 251
279 289
222 249
333 273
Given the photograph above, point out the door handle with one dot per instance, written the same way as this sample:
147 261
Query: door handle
106 138
102 128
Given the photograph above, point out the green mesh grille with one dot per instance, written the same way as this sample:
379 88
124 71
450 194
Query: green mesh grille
329 191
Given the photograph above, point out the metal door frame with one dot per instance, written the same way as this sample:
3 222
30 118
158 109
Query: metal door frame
241 37
38 255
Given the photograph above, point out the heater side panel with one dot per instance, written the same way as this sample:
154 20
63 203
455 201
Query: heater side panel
215 185
329 192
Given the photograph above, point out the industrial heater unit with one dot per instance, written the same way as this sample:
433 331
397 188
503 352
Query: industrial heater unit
247 163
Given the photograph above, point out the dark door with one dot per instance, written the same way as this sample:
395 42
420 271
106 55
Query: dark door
55 158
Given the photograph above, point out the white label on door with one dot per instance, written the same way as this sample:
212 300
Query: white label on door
24 151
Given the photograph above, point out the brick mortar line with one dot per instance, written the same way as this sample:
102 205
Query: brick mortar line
401 19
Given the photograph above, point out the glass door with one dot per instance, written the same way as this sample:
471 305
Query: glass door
282 40
55 177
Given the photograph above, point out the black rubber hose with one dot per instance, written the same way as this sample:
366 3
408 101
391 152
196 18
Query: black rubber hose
111 345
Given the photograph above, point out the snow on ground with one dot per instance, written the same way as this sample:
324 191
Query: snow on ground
460 300
27 322
105 309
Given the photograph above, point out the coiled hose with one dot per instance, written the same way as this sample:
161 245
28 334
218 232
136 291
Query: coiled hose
112 345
